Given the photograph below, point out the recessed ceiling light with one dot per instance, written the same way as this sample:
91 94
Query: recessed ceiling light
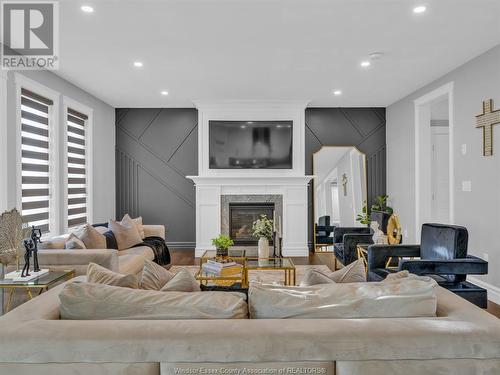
365 64
164 93
138 64
87 9
337 92
419 9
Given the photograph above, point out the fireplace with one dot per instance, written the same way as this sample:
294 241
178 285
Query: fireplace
241 218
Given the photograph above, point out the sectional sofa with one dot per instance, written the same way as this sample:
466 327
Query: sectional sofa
53 255
462 339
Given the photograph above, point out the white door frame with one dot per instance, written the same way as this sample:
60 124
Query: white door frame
447 90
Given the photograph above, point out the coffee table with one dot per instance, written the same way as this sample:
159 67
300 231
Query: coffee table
272 264
40 284
213 282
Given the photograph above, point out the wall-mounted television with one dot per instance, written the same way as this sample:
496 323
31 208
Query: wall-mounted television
250 144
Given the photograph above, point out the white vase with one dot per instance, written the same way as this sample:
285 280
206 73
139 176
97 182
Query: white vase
263 247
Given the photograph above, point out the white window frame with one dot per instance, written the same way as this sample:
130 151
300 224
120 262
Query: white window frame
22 81
89 125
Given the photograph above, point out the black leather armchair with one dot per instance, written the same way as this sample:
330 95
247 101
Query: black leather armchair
323 232
345 241
443 256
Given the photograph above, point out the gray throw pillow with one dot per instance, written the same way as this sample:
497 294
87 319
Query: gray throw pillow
352 273
73 242
125 232
100 275
154 276
183 281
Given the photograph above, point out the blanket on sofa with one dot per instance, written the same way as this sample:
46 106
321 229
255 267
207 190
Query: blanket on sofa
157 244
159 247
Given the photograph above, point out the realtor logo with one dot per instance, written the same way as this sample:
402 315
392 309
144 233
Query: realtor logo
30 35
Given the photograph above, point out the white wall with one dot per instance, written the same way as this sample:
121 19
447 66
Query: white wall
103 140
478 210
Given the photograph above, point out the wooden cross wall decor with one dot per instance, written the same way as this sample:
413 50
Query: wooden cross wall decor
486 120
344 183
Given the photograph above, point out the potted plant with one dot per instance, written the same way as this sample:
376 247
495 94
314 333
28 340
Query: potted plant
263 230
381 212
364 216
222 244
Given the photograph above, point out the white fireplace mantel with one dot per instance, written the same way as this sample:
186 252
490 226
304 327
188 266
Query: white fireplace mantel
250 180
291 184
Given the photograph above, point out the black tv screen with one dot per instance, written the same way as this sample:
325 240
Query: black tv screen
250 144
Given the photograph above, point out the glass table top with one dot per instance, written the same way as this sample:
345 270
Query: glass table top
42 281
232 253
269 263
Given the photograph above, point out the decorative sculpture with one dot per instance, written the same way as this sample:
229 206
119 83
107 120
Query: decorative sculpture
31 246
486 120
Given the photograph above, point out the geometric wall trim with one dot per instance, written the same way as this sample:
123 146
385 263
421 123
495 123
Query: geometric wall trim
360 127
157 147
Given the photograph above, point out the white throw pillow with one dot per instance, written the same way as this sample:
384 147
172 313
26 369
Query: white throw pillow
399 298
138 224
352 273
154 276
91 237
100 275
125 232
183 281
73 242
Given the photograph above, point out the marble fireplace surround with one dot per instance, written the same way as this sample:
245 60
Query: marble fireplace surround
226 200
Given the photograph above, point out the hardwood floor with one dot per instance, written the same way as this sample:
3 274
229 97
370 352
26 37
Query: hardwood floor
185 257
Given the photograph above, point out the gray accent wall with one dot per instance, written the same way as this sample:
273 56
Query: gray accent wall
156 148
360 127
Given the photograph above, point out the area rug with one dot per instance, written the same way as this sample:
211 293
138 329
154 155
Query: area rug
268 277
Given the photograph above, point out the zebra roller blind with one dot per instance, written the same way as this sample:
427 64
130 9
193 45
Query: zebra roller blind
77 168
35 159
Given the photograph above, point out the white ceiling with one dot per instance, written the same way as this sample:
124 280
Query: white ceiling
268 49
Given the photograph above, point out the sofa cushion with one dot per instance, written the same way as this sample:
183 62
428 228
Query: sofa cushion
53 243
183 281
85 301
73 242
352 273
154 276
100 275
91 237
143 251
398 298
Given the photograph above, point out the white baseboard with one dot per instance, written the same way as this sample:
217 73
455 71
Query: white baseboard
493 291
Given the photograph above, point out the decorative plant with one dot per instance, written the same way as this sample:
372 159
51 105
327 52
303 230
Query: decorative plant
381 204
263 228
364 216
222 242
12 233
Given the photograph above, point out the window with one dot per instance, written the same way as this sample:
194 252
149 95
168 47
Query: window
77 180
36 164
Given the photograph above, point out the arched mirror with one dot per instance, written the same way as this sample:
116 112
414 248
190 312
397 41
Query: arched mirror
339 190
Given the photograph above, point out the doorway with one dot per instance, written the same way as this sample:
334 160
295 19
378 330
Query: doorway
434 158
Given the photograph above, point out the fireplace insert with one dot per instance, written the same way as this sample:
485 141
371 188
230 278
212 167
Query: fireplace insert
241 218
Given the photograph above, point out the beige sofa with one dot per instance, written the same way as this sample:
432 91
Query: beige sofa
462 340
53 255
